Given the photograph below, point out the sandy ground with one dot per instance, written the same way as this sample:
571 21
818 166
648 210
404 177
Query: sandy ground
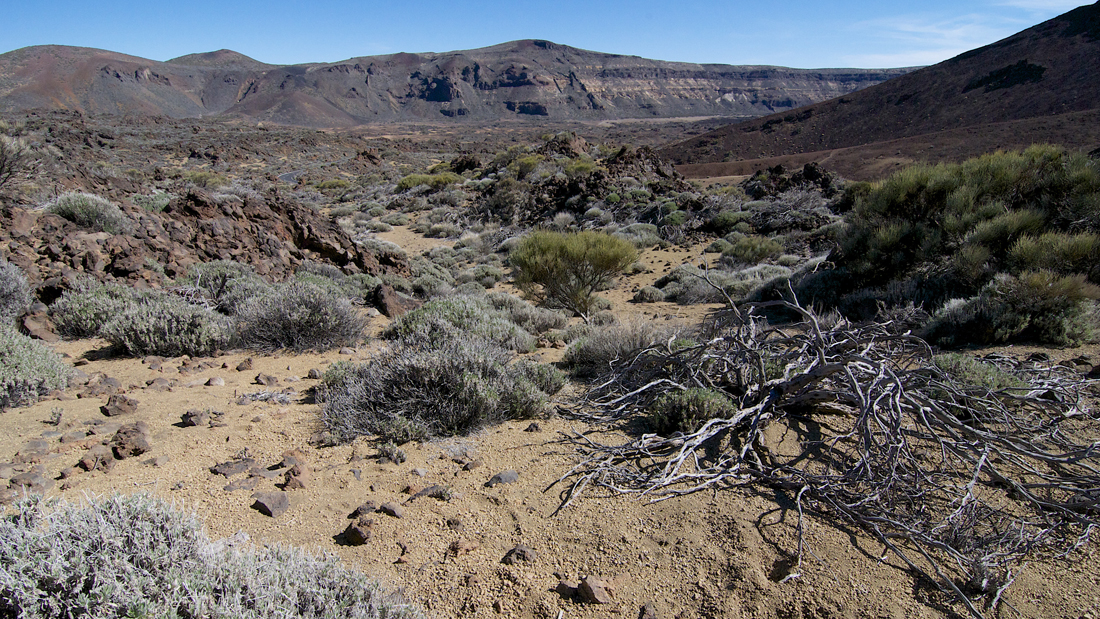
706 555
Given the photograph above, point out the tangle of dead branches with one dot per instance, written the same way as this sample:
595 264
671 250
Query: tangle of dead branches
962 483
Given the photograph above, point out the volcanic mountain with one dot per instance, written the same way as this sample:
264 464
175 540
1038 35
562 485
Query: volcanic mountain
520 79
1040 85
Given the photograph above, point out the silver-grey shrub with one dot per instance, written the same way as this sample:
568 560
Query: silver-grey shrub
299 316
225 285
453 385
28 370
167 325
83 310
136 556
14 293
442 318
91 212
595 353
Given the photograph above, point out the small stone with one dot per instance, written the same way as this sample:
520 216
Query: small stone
435 491
131 440
472 465
69 472
297 477
358 474
159 461
158 384
272 504
347 351
216 381
518 554
498 606
503 477
74 436
243 483
6 470
566 588
32 481
245 365
595 591
194 418
262 473
314 374
533 427
456 524
461 547
358 532
119 404
392 509
292 458
419 472
233 467
97 458
472 580
648 612
366 508
266 380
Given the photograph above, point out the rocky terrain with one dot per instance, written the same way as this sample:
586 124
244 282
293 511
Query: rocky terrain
518 80
1035 86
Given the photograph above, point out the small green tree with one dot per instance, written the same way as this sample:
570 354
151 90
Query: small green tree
565 269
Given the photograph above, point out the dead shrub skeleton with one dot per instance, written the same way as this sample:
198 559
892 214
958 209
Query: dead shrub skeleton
962 484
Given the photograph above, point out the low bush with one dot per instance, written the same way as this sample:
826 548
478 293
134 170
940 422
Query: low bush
1037 306
532 319
749 250
443 319
91 212
225 285
84 310
136 556
648 294
433 181
448 386
28 369
299 316
168 326
968 370
686 411
594 351
15 295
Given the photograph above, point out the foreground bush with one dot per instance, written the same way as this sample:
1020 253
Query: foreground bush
566 269
299 316
442 388
91 212
14 293
28 370
686 411
166 325
138 557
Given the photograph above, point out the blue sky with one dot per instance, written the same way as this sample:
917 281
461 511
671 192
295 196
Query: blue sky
804 34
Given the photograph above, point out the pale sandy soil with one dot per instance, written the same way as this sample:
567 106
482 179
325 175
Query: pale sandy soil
706 555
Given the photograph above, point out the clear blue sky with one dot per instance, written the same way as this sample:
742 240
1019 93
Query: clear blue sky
804 34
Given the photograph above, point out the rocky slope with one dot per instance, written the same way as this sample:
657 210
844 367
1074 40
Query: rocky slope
532 79
1047 71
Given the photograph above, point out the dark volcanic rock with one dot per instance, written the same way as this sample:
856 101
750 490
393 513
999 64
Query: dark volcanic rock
503 477
519 554
272 504
131 440
119 404
392 304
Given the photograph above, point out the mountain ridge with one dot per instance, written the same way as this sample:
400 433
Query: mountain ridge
513 80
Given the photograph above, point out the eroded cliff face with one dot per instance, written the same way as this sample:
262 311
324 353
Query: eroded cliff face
512 80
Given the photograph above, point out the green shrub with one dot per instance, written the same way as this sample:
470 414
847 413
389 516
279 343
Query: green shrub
969 370
640 235
1059 252
566 269
225 284
532 319
686 411
446 318
135 556
299 316
1036 306
91 212
155 202
448 386
434 181
28 369
724 222
15 295
166 325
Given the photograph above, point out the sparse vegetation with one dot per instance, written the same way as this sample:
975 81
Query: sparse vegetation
136 556
166 325
14 293
28 370
90 211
